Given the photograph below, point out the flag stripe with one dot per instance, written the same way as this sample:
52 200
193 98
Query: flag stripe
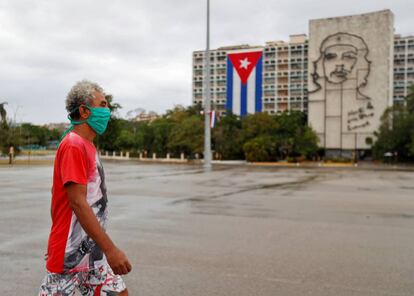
259 80
251 92
236 93
243 105
212 119
229 88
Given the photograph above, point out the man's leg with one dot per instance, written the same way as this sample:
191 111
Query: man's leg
103 281
58 284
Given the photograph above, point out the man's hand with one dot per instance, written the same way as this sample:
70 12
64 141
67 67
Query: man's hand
118 261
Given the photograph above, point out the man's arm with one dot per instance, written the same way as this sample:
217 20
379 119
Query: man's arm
51 214
117 260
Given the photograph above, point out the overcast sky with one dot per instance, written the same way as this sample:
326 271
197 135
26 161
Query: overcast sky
140 51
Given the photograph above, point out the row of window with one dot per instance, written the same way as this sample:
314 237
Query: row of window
403 41
281 69
269 76
271 100
221 65
211 53
212 59
401 76
273 55
291 73
402 47
266 85
286 99
286 61
292 86
402 64
272 112
281 106
403 55
217 89
284 48
409 69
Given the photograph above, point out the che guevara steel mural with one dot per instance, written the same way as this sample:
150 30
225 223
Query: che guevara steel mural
342 70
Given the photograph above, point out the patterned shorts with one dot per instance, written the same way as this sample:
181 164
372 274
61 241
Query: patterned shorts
95 282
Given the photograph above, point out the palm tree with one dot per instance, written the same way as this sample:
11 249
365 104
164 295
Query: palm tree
3 113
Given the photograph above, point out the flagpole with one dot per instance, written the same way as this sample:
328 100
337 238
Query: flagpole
207 103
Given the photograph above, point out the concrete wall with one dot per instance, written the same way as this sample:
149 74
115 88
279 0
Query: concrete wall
350 77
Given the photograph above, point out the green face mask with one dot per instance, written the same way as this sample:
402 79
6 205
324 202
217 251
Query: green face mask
97 120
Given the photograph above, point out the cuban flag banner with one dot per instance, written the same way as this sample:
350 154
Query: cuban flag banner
213 119
244 82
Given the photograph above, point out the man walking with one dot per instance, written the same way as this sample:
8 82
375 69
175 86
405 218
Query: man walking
80 255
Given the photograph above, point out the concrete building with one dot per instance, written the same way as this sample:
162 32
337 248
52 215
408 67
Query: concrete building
285 75
285 66
218 79
289 76
350 78
146 117
279 95
403 66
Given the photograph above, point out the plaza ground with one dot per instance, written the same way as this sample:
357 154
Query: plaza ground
236 230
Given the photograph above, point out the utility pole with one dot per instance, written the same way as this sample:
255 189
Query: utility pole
207 103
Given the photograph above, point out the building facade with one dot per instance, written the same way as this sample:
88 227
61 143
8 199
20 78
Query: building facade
218 76
285 71
289 71
351 78
403 66
285 75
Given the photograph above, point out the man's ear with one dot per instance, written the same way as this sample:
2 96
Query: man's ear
84 112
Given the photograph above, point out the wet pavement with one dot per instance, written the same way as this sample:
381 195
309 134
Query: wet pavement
236 230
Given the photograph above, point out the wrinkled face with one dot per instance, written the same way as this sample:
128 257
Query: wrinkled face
98 101
338 62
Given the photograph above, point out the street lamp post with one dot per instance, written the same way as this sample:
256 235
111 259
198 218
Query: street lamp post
207 103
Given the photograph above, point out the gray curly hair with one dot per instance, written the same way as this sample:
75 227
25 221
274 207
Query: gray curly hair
82 93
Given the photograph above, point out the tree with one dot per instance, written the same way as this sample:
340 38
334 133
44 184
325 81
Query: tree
306 142
4 129
259 124
3 112
187 136
125 140
227 137
261 148
144 136
161 128
281 136
396 132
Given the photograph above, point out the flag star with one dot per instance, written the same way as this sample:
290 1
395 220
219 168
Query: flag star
244 63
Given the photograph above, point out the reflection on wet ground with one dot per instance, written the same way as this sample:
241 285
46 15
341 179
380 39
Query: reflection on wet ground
234 230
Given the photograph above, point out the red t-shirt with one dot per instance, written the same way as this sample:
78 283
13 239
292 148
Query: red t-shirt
70 249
